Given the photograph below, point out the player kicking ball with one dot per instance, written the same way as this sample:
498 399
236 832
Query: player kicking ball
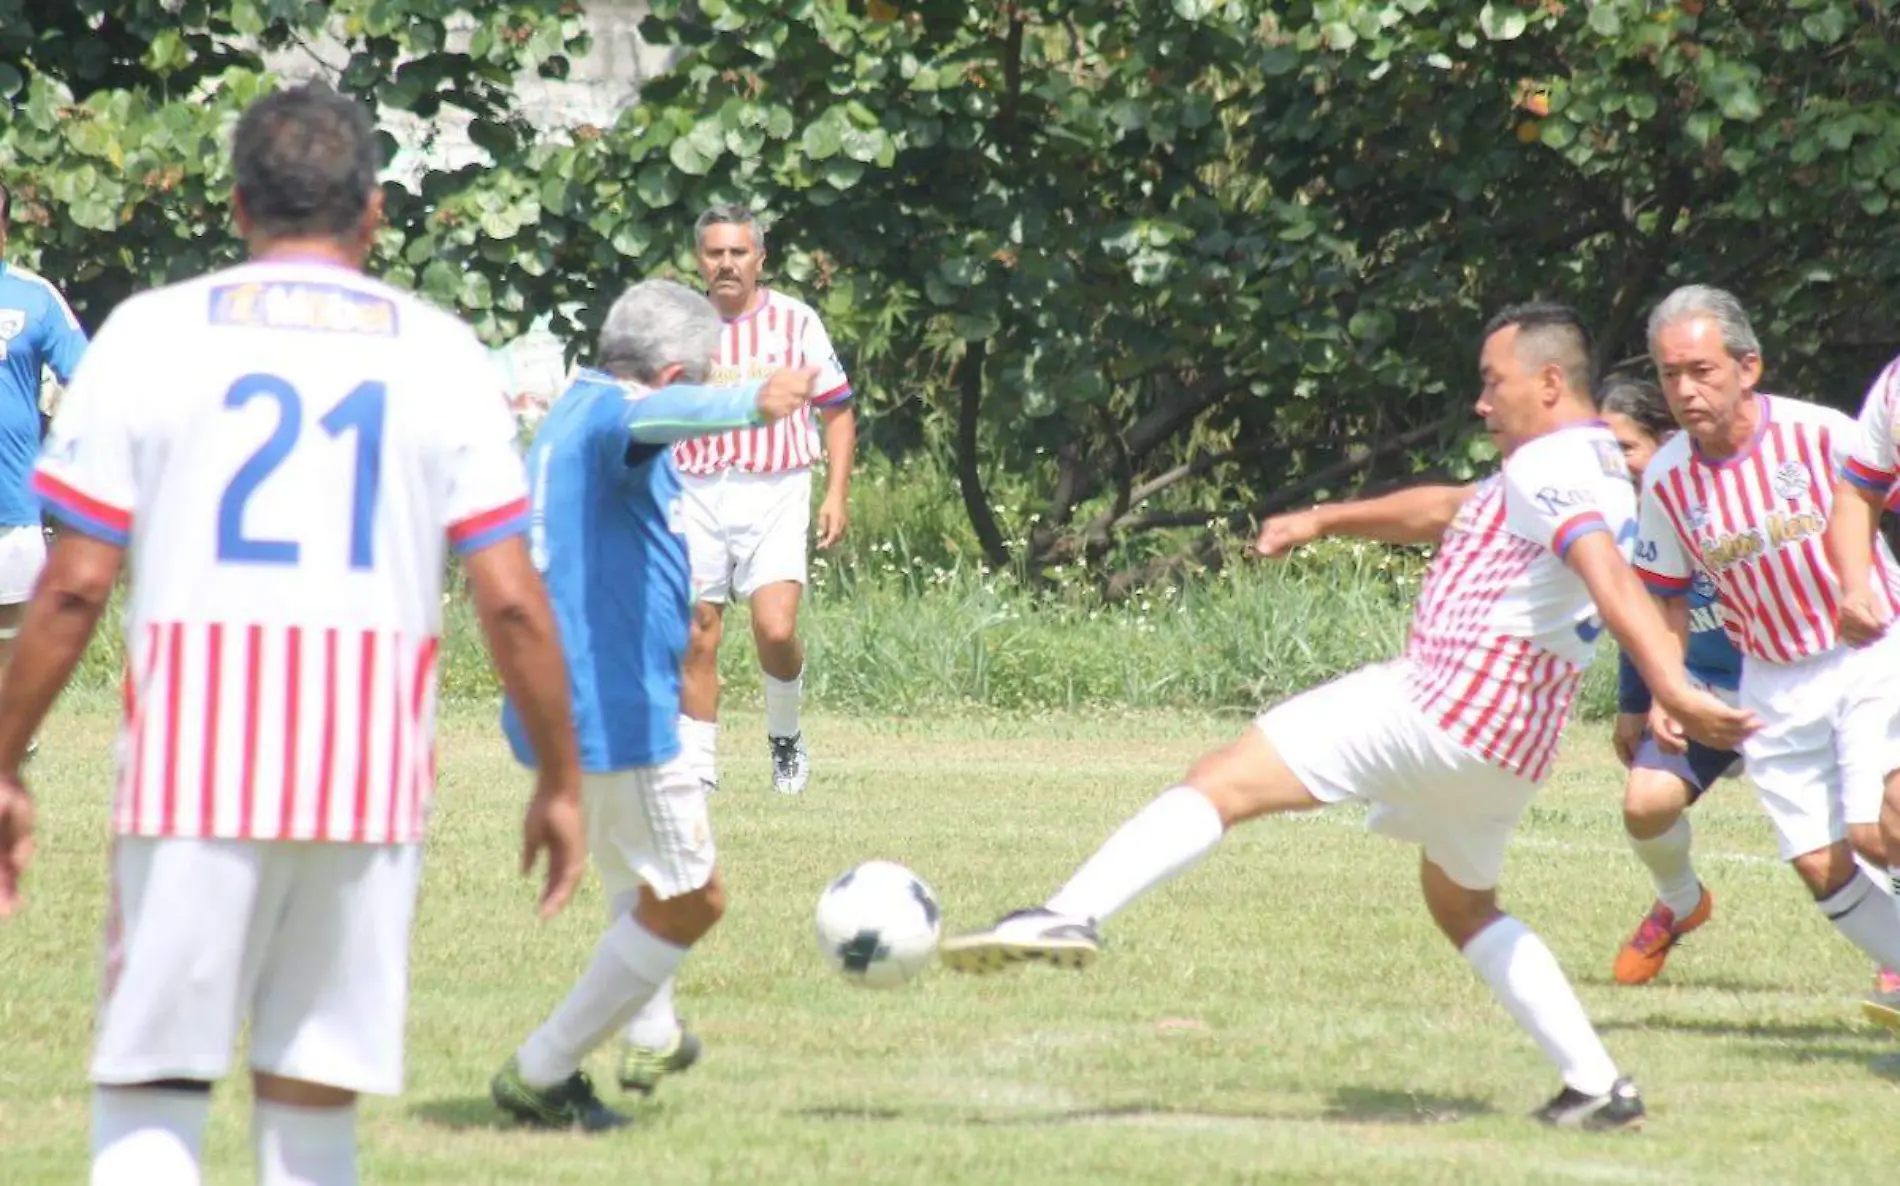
604 532
1449 743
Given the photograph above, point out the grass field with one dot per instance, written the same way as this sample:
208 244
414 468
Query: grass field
1284 1014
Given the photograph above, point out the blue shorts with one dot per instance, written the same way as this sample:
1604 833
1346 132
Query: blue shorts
1698 766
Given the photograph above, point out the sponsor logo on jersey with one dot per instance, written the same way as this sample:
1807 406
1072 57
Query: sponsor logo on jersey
1610 457
1554 500
329 308
12 324
1778 530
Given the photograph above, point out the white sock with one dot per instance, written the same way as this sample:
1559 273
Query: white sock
1867 917
630 964
699 743
1667 856
143 1136
656 1024
304 1146
781 703
1164 840
1527 980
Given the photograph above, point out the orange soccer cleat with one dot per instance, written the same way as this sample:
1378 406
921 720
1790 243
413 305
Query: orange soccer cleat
1644 955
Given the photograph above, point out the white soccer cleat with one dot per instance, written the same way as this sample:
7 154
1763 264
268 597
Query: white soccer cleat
791 764
1034 934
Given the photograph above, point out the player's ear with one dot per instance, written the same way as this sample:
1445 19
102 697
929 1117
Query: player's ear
1751 367
669 374
240 217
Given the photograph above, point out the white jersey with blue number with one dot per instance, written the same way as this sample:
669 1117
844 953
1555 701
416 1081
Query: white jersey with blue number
286 449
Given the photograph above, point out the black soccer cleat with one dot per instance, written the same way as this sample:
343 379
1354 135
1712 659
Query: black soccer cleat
1621 1107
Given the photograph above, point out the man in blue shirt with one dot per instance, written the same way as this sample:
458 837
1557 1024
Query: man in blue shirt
37 330
604 530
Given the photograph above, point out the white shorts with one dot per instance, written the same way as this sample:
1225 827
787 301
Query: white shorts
1361 737
745 531
649 825
309 942
1829 737
22 556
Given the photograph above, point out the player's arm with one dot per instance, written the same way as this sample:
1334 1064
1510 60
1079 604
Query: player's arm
1656 650
682 411
1418 515
60 620
1851 529
1865 462
841 447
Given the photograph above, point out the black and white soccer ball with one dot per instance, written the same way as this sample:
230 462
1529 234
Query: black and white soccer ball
878 924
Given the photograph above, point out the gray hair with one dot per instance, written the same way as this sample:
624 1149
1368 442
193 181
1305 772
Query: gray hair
654 325
729 214
1719 306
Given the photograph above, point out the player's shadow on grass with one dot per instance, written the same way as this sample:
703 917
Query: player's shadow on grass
463 1113
1839 1041
1348 1105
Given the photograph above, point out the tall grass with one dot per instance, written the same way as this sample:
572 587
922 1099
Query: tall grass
906 620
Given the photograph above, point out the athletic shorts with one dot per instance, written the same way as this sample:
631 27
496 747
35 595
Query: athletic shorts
1829 738
1699 767
649 825
308 942
1361 737
22 556
745 531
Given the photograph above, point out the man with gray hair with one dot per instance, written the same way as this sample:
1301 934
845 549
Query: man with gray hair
748 496
1744 495
604 532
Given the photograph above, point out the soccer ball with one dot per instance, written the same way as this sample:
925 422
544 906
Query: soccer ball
878 924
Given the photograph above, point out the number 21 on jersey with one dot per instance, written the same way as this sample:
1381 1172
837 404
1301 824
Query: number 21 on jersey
360 412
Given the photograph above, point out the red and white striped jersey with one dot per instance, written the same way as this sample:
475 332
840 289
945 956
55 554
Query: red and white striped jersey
286 475
1872 458
782 332
1755 523
1504 628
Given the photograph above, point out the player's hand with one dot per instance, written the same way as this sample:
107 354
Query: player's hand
1627 735
553 826
1709 721
16 841
833 518
1666 730
1282 533
788 390
1863 619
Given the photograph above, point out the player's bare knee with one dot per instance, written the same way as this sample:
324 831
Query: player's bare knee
1825 870
300 1093
1247 778
683 919
1866 840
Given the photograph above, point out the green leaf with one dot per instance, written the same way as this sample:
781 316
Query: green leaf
1502 24
1741 103
631 238
1558 132
1604 21
1826 26
823 137
689 157
657 185
1277 60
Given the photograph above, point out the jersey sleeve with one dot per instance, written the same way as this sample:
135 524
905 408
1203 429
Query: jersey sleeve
487 482
1662 559
1553 493
831 388
62 341
1868 458
87 473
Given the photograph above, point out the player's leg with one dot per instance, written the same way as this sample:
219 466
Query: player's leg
699 691
1656 799
1869 743
770 573
179 933
709 550
329 1005
1300 755
1524 976
22 556
650 834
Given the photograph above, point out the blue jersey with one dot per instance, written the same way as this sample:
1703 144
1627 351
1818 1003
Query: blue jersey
37 330
1711 658
604 532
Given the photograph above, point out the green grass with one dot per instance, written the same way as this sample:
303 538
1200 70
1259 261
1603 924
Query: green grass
1283 1014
